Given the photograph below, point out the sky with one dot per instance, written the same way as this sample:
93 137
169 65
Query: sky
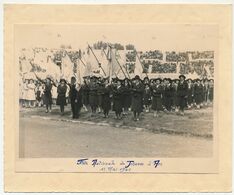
165 37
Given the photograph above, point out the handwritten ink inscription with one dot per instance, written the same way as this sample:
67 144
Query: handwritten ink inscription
117 166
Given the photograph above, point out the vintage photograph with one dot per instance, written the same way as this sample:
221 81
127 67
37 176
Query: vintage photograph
116 90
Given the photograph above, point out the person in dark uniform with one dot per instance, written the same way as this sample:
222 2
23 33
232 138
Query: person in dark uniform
47 99
198 93
61 98
117 91
126 96
211 90
190 93
78 100
106 100
93 100
182 92
205 91
137 97
73 95
85 93
163 85
147 97
168 95
156 91
100 88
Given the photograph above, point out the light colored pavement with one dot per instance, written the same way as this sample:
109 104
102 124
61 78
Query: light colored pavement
48 138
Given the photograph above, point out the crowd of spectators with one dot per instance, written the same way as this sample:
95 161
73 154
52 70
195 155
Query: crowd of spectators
202 55
156 54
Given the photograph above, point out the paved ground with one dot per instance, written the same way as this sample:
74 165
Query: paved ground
195 122
53 138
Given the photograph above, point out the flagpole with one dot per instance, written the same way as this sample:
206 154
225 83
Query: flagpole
140 62
97 59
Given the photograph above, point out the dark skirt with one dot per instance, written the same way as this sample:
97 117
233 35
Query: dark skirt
127 101
198 98
47 98
157 103
106 103
117 105
61 100
182 102
85 99
93 101
137 104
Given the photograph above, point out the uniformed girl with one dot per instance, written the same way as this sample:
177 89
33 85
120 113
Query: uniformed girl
61 98
106 100
182 93
117 91
157 91
93 94
137 97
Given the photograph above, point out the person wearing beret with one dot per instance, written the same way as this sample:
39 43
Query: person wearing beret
61 98
182 93
93 100
47 98
117 91
157 90
198 93
190 93
137 97
205 91
211 90
168 95
147 97
106 99
72 96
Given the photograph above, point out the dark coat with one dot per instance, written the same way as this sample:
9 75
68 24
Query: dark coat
106 100
93 99
47 98
85 94
147 97
157 97
198 93
182 93
61 99
190 94
137 97
117 99
127 99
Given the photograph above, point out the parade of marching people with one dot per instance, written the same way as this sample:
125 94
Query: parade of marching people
124 86
135 95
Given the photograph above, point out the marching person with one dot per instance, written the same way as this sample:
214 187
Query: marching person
211 90
157 91
206 91
168 95
190 93
106 100
126 95
117 99
182 92
61 98
47 92
85 93
147 97
93 100
137 95
198 93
